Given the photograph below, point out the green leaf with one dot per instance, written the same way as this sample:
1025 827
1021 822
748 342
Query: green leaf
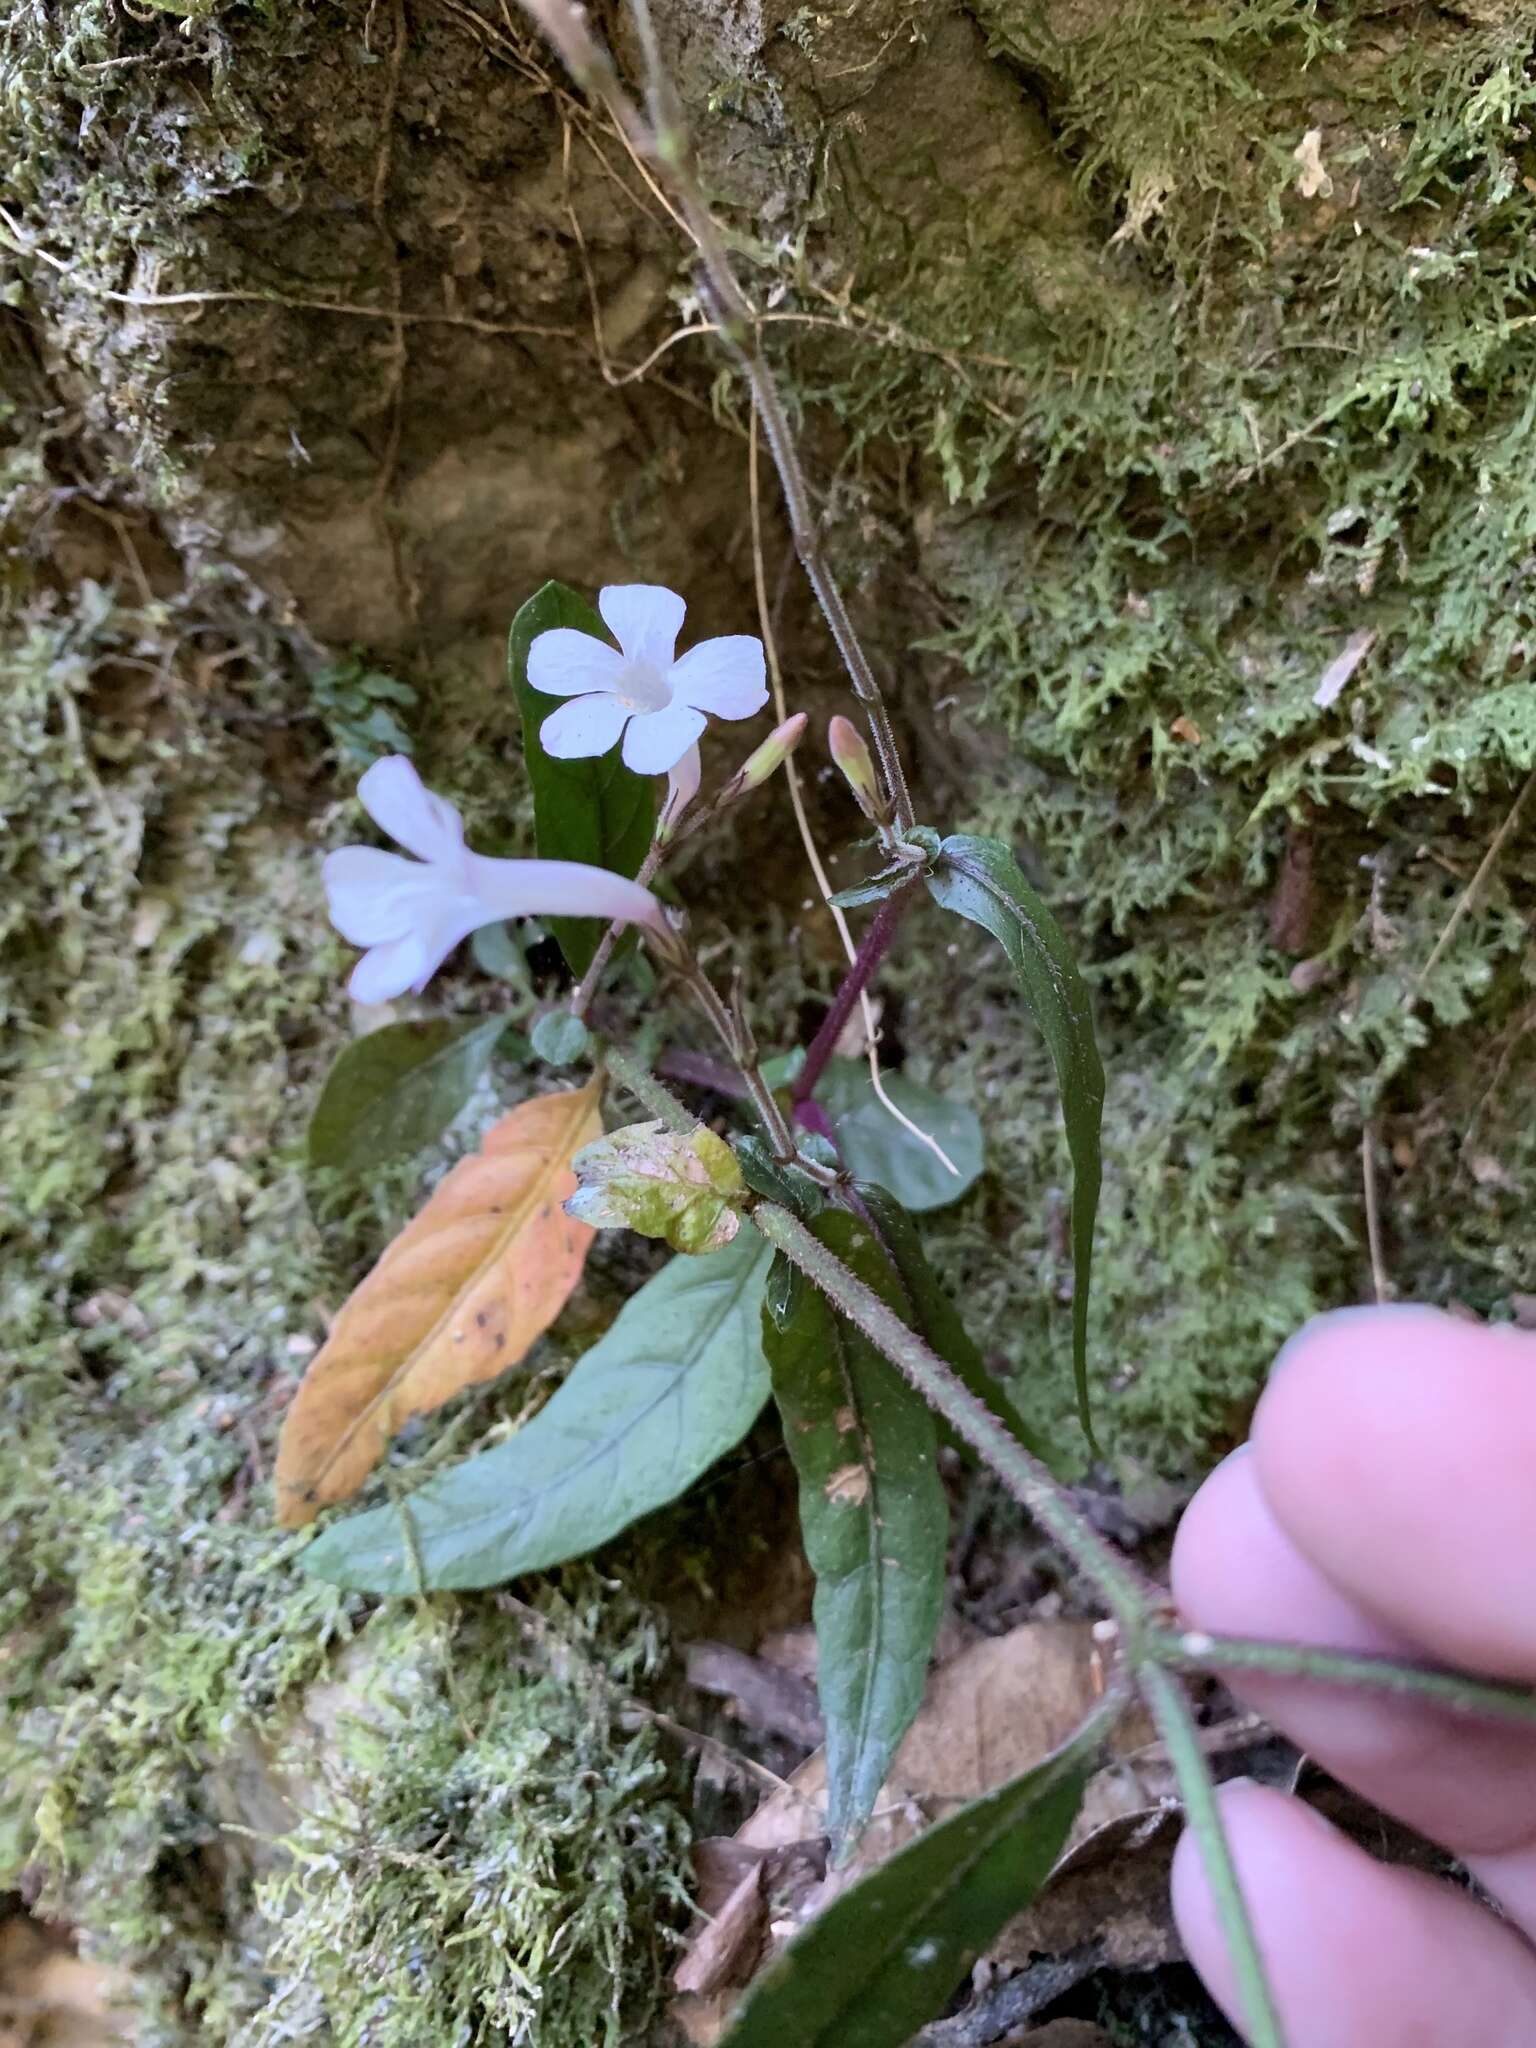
876 1147
595 810
934 1316
496 952
873 1517
875 890
559 1038
776 1180
783 1067
393 1092
979 879
677 1380
887 1956
687 1189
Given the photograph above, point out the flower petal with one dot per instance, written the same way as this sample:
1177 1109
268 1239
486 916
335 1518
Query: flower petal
385 972
658 740
724 677
645 619
559 888
375 896
587 725
399 803
565 663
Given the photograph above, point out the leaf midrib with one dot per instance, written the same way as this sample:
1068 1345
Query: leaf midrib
558 1156
604 1449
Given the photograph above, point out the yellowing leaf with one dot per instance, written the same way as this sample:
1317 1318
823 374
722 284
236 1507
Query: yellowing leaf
652 1180
459 1296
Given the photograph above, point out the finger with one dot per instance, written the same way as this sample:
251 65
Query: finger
1469 1783
1396 1448
1355 1952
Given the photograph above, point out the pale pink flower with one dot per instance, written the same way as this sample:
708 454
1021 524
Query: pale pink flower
410 914
641 690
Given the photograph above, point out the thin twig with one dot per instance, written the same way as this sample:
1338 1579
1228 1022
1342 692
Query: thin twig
802 819
1468 897
1380 1284
664 142
18 243
855 982
383 482
587 988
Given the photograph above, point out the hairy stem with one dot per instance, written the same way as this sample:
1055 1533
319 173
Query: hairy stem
1195 1651
740 338
1128 1597
662 140
872 950
1175 1723
648 1092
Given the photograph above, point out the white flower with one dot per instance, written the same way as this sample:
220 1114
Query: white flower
410 914
657 702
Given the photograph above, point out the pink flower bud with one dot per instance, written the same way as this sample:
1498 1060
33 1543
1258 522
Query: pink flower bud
851 753
770 757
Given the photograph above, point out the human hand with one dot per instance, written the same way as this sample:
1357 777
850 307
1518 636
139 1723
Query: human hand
1386 1503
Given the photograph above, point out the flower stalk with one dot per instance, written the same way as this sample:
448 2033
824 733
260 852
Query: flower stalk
872 950
663 141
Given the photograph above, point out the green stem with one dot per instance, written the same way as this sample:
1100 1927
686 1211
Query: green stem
1129 1598
1195 1651
648 1092
1181 1738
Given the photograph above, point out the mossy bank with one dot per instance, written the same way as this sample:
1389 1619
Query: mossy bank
1151 360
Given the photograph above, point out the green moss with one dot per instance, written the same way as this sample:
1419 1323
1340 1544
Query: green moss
170 997
489 1858
1245 423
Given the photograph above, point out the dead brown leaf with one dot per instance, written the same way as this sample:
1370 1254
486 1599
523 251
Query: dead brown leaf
460 1295
988 1715
52 1998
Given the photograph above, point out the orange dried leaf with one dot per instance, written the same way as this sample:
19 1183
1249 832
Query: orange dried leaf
459 1296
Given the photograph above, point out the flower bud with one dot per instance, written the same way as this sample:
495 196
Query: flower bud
768 759
851 753
682 787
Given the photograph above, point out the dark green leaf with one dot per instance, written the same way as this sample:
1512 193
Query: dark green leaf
676 1381
876 1147
887 1956
775 1181
782 1291
875 890
979 879
595 810
874 1520
393 1092
934 1316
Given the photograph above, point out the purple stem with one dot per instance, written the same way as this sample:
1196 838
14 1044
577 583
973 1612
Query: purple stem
699 1070
872 950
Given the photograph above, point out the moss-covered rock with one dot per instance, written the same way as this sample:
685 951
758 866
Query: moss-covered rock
1182 347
